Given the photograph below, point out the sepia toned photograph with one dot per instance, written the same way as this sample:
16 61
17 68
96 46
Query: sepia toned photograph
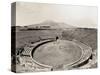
53 37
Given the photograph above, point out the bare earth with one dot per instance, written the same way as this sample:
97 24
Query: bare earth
59 52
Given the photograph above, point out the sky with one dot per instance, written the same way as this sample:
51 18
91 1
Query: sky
34 13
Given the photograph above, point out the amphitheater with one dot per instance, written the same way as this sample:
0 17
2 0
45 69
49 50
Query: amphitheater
73 49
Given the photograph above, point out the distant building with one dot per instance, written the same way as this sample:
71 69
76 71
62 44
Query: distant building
38 27
44 27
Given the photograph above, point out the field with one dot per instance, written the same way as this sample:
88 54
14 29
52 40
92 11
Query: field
25 37
87 36
57 53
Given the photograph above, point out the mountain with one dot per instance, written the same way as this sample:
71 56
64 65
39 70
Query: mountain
52 24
